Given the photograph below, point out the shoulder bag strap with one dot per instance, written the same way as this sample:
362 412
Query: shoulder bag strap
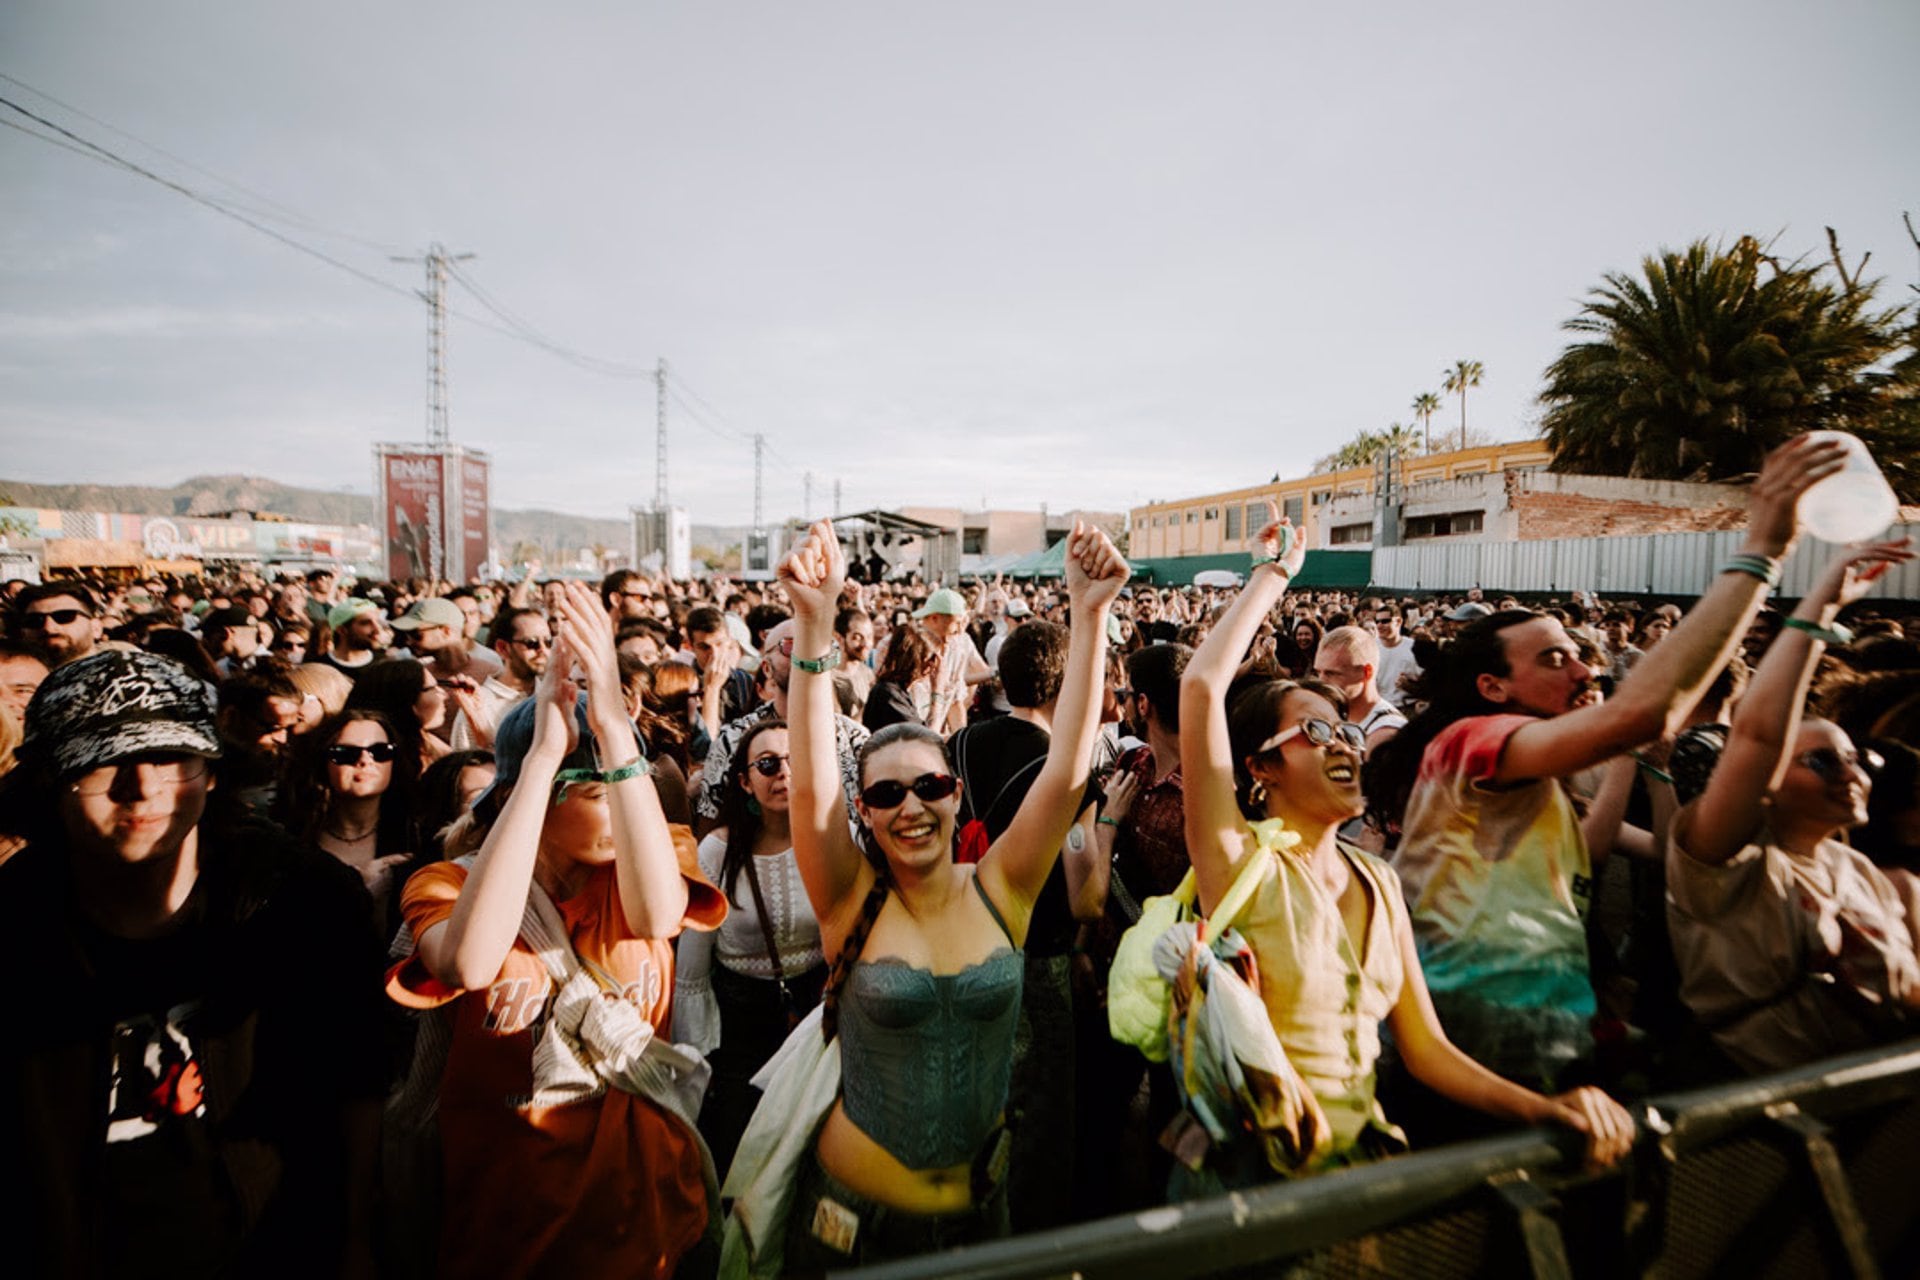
766 924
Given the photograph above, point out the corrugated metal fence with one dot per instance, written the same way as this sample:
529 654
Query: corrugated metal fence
1663 564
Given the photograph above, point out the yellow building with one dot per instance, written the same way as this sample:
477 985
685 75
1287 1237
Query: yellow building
1217 523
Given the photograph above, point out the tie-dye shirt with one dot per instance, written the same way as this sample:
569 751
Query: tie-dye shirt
1497 882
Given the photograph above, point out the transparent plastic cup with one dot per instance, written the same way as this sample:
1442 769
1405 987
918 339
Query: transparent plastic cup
1853 504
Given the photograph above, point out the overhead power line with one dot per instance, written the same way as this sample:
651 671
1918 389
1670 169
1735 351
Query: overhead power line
114 158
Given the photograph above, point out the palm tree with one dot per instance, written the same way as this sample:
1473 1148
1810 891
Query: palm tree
1399 439
1425 405
1710 358
1464 374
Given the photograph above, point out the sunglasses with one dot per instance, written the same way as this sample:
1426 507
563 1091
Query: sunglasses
1830 765
342 753
770 767
57 617
891 795
534 645
1320 733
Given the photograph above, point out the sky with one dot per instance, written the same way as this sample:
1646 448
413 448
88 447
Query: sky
979 255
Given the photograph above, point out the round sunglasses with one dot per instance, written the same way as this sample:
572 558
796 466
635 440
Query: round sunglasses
889 794
347 754
1320 733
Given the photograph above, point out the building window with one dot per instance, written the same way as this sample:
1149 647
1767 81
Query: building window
1321 496
1344 534
1193 517
1256 517
1448 525
1211 513
973 542
1294 509
1232 533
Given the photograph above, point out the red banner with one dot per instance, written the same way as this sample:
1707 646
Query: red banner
415 489
475 522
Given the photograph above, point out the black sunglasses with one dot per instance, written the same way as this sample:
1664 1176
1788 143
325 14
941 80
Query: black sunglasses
1829 765
891 795
769 766
343 753
58 617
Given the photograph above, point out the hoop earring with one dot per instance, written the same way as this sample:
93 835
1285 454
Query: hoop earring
1257 793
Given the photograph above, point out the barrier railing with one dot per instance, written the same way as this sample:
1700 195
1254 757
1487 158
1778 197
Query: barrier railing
1813 1172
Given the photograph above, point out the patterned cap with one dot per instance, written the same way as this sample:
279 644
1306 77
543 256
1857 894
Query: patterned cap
115 704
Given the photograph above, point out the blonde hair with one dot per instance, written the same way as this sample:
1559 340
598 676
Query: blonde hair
328 684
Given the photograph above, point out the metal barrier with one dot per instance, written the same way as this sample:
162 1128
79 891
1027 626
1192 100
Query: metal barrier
1814 1172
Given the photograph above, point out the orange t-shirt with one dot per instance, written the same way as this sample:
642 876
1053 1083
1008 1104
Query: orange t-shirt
612 1186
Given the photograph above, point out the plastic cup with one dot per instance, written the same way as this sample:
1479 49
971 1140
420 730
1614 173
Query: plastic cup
1853 504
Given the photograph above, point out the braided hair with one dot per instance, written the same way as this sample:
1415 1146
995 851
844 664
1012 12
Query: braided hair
856 939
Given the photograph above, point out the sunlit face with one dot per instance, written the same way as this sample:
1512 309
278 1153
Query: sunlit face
580 827
1386 625
1836 801
430 708
1320 783
1545 675
1654 631
856 642
706 646
61 628
136 810
1305 638
942 625
19 677
1339 668
363 776
361 634
470 616
290 646
243 641
473 780
1619 634
768 750
526 654
914 833
642 648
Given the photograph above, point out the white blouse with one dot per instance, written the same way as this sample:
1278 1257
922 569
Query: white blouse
739 944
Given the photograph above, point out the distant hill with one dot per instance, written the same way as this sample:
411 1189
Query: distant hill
554 532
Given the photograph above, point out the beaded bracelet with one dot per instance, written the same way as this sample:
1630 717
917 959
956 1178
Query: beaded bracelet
1835 634
1768 571
1107 820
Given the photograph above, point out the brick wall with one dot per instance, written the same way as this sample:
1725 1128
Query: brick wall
1571 515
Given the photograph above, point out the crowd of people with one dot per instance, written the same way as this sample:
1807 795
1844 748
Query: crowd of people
677 927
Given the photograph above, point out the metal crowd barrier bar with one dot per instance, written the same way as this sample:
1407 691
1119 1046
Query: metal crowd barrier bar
1812 1172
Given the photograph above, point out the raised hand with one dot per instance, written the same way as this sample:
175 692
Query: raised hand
1281 542
1850 573
554 731
1773 501
813 573
583 625
1095 568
